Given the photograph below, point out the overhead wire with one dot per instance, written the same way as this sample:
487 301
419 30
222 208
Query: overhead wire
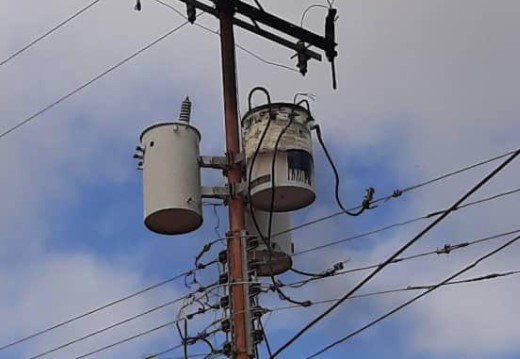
405 223
409 288
114 325
93 80
216 32
367 201
147 312
128 339
310 7
446 249
49 32
399 192
398 252
414 299
93 311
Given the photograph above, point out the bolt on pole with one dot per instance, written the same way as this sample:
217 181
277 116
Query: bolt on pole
236 203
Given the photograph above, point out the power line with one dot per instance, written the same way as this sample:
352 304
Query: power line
402 306
399 192
486 277
395 194
446 249
132 318
98 309
238 46
398 253
405 223
90 82
133 337
49 32
112 326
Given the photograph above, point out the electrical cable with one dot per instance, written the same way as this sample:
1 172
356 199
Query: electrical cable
128 339
395 194
154 309
90 312
267 345
486 277
310 7
112 326
398 252
399 192
405 223
49 32
90 82
238 46
446 249
414 299
267 239
366 203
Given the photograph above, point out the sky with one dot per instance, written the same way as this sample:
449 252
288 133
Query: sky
424 88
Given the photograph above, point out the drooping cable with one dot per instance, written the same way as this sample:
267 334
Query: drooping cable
366 203
399 192
398 253
409 288
49 32
309 8
443 250
414 299
405 223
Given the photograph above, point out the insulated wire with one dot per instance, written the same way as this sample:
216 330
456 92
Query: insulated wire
128 339
115 325
98 309
49 32
399 192
446 249
402 306
395 194
164 305
405 223
238 46
486 277
90 82
398 252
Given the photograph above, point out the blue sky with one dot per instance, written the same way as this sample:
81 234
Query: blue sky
424 88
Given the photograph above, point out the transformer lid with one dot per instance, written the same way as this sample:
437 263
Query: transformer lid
274 106
160 124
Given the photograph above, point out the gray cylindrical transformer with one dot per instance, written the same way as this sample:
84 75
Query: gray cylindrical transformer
171 178
294 167
280 258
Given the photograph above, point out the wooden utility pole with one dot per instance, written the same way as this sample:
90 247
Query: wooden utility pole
237 277
238 13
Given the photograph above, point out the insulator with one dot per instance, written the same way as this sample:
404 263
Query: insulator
225 325
258 336
252 244
254 289
224 302
185 112
257 312
222 257
223 278
227 349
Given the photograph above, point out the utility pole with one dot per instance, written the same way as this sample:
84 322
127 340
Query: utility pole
237 277
158 142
